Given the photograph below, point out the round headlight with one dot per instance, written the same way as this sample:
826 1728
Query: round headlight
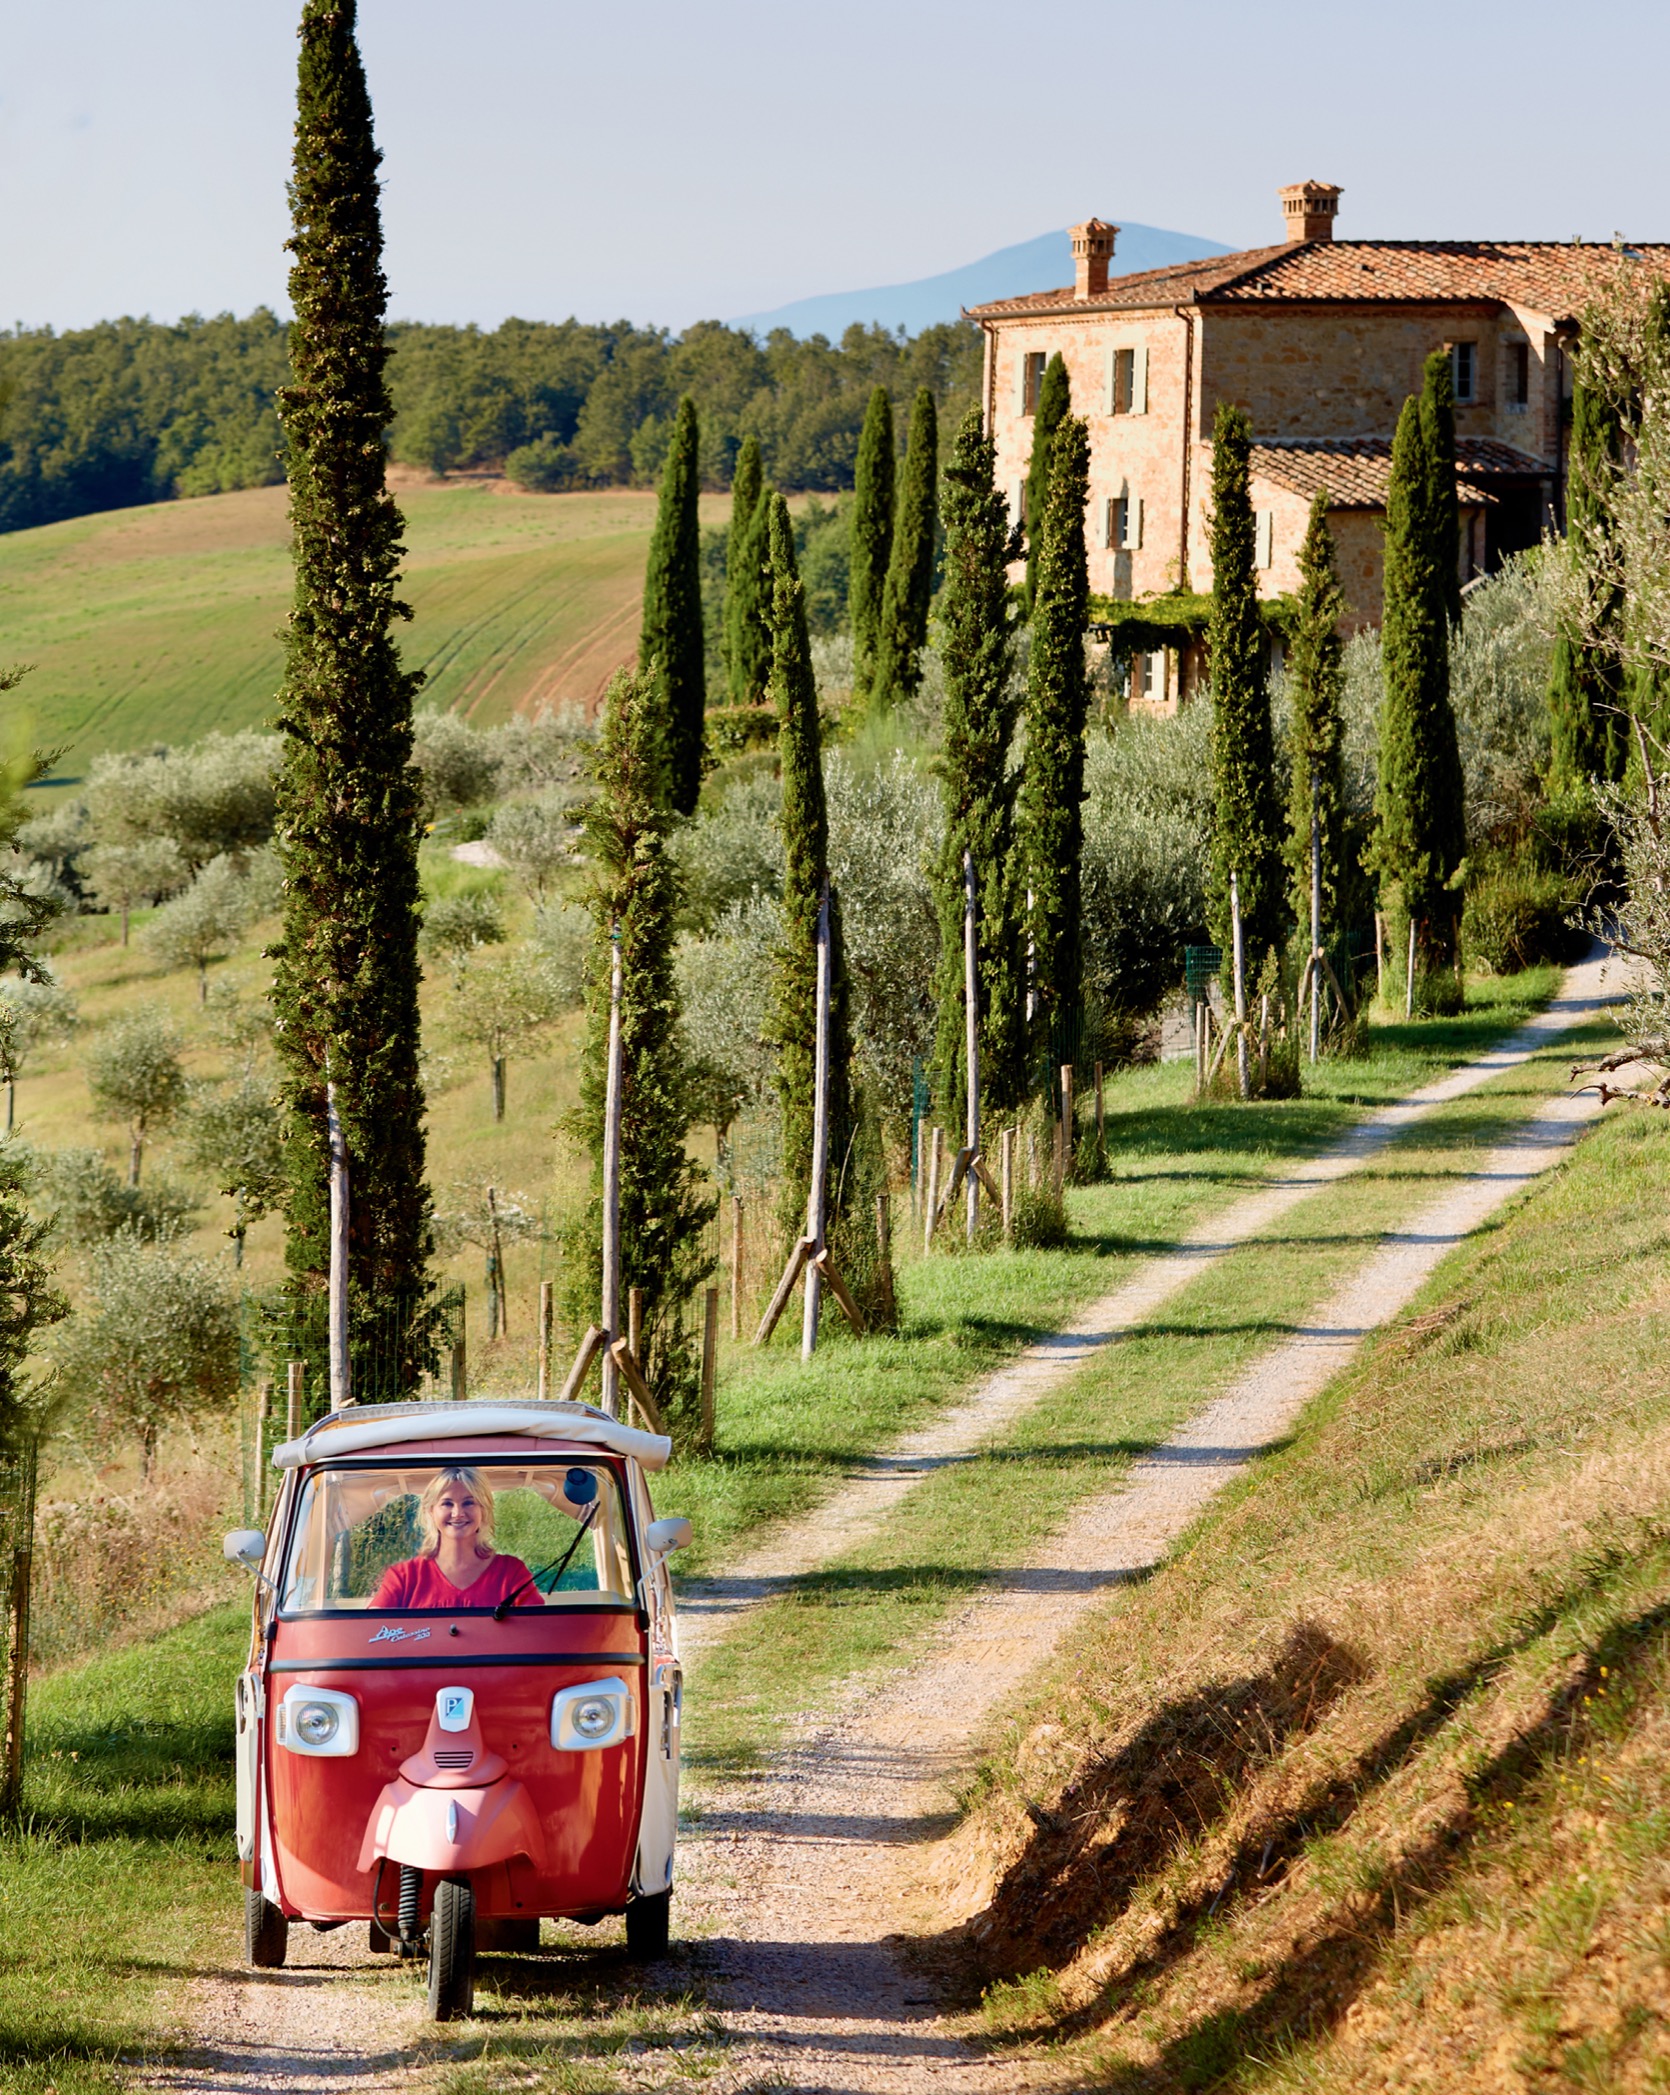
594 1716
317 1723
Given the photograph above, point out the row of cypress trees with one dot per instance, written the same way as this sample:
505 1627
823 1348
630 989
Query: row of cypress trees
1418 849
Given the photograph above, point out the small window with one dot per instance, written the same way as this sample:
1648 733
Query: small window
1464 358
1032 379
1125 382
1124 371
1123 528
1519 374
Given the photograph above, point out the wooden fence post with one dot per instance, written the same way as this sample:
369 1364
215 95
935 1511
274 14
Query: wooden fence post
710 1360
884 1244
1315 915
971 1051
635 1323
293 1400
545 1308
930 1208
818 1194
1101 1112
1241 1073
1008 1147
736 1265
1409 978
1068 1130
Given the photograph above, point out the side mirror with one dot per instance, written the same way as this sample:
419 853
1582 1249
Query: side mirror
661 1536
246 1546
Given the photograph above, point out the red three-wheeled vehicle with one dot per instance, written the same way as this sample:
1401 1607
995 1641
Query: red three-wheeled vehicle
461 1708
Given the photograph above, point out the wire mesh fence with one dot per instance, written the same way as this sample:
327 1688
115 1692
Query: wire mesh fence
17 1553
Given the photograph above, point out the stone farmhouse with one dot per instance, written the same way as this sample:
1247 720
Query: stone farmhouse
1321 340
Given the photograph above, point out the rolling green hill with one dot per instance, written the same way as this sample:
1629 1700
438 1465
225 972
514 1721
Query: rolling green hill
158 624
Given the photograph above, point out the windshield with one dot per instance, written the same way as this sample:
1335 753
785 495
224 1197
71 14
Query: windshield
427 1536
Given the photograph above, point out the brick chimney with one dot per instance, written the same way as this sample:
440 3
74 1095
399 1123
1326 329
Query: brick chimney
1092 252
1308 209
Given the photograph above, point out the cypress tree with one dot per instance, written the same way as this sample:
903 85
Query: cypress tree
1444 515
977 647
910 573
1247 826
1586 683
854 1154
346 981
872 535
634 890
1054 403
747 479
1049 827
1420 816
671 644
748 582
1316 682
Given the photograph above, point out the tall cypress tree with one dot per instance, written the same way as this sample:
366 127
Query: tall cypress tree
1247 825
672 644
346 982
1053 405
1444 514
1049 827
977 648
1420 816
634 893
1586 683
1316 683
872 535
910 573
748 582
854 1152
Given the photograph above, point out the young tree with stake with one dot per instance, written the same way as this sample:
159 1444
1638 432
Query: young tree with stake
134 1074
671 647
346 977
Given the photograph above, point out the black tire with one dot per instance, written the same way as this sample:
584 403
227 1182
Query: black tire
266 1932
649 1927
452 1951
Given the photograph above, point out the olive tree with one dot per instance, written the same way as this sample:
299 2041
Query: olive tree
536 840
134 1074
89 1201
486 1218
458 764
210 797
124 877
156 1343
499 1003
236 1135
205 923
457 925
32 1015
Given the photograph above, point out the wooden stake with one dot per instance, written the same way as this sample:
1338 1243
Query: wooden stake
710 1360
1008 1148
633 1376
817 1197
1069 1130
959 1171
461 1359
293 1373
546 1294
1101 1113
1409 978
884 1244
1240 988
498 1265
785 1288
340 1384
263 1392
980 1169
971 1035
590 1346
930 1207
635 1321
1379 955
838 1288
736 1265
611 1183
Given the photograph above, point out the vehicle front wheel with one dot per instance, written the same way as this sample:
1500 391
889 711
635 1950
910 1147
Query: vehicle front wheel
649 1927
452 1951
266 1932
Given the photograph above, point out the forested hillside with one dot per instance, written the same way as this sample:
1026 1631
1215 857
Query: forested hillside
136 411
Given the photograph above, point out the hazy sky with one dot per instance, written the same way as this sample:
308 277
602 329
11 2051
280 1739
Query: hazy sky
665 162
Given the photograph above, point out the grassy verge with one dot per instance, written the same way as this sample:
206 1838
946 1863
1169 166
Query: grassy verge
789 1431
1367 1787
962 1523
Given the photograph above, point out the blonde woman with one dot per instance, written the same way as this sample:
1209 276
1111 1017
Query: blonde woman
457 1566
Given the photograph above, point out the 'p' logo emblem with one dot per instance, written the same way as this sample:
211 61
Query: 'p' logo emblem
454 1708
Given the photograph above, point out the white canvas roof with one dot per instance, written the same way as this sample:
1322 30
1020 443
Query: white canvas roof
366 1426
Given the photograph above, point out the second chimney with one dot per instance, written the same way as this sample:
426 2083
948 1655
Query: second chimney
1092 252
1308 209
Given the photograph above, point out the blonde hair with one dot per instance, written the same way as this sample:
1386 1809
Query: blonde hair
445 1480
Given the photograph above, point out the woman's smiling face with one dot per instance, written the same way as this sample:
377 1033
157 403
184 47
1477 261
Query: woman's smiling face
457 1514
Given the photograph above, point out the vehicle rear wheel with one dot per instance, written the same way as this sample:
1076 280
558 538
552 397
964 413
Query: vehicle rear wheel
649 1927
452 1951
266 1932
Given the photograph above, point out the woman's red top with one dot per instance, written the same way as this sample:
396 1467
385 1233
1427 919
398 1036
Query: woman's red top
421 1583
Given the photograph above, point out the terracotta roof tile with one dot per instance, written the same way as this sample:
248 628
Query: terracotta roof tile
1357 471
1553 277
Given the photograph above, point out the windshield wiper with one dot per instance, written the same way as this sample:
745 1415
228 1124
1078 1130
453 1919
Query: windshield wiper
545 1570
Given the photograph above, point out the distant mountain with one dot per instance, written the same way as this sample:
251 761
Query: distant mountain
1035 265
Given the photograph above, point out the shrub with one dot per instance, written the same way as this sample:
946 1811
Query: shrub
89 1200
1517 915
459 765
455 925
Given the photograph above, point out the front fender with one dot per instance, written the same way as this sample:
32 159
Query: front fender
452 1830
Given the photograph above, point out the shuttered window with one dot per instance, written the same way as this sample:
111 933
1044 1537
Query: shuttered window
1124 380
1029 378
1122 522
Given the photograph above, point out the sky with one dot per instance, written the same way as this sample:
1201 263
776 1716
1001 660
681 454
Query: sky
665 162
